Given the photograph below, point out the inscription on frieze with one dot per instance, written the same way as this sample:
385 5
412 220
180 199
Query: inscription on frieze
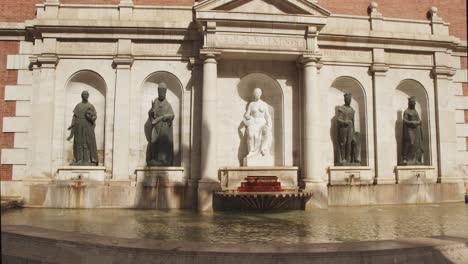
401 58
161 49
265 42
87 48
346 55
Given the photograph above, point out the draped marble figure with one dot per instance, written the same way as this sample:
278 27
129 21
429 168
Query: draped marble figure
82 130
158 131
413 153
348 140
257 119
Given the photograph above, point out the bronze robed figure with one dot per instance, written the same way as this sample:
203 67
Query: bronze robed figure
158 131
82 130
349 147
412 152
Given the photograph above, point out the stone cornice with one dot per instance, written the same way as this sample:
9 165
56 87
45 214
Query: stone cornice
12 31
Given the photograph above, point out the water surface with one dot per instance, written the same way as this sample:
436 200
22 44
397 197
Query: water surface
331 225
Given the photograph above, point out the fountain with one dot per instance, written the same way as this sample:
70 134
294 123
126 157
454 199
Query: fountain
261 193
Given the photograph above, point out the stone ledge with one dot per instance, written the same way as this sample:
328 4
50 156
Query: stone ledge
415 174
95 173
24 243
160 176
350 175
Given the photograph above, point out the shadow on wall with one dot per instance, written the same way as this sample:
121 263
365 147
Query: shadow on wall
339 87
334 135
399 134
149 92
403 91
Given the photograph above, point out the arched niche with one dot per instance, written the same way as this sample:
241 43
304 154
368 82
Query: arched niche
339 87
273 96
403 91
149 92
96 86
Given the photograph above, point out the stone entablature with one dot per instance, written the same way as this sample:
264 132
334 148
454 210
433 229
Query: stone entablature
308 58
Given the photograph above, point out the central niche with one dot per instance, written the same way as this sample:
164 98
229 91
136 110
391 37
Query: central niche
272 95
149 92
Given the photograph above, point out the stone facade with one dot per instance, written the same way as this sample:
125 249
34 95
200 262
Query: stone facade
212 54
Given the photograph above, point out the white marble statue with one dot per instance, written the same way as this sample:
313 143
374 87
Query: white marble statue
257 119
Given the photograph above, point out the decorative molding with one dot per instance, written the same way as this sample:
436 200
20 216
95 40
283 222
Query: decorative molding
43 61
122 62
379 69
443 72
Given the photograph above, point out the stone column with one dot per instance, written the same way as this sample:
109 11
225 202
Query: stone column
208 182
42 117
445 119
384 169
121 144
312 172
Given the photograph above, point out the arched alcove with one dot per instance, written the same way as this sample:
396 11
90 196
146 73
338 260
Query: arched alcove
96 86
273 97
149 93
339 87
403 91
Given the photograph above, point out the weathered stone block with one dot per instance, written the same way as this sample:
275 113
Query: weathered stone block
95 173
350 175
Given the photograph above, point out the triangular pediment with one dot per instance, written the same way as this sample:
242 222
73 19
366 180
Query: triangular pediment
274 7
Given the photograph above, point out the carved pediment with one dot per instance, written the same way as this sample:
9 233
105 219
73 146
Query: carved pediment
275 7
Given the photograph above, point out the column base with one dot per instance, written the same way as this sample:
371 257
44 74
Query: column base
385 180
319 199
206 188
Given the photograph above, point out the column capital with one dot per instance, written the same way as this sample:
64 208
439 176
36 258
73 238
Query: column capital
307 60
210 55
379 69
122 62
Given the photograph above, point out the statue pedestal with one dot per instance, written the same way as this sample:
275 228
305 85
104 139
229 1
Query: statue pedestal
259 160
232 177
415 174
94 173
157 176
350 175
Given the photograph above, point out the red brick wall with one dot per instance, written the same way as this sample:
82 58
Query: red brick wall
452 11
18 10
91 2
164 2
7 77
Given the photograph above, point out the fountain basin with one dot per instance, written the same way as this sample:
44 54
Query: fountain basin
23 244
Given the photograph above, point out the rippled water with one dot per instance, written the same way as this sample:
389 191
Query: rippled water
334 224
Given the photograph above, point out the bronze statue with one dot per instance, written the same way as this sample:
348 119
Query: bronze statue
413 153
82 130
349 148
158 131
